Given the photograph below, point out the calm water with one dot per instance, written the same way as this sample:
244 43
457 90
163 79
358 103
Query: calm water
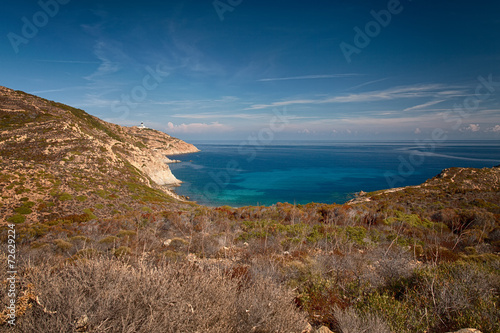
326 172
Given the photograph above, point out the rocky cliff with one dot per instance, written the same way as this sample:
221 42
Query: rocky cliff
57 160
153 161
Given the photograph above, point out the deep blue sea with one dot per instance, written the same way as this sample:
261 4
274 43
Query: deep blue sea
235 174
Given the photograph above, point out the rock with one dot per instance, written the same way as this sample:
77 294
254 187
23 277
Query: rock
308 329
467 330
82 323
323 329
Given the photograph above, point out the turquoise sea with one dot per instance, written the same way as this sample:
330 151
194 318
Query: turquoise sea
240 174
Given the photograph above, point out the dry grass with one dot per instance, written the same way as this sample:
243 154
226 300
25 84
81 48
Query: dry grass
119 296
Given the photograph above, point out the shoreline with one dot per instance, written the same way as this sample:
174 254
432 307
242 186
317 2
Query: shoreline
232 193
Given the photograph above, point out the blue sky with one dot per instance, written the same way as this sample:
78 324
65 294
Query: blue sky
264 70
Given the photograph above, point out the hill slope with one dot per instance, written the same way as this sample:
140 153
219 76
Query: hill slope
56 160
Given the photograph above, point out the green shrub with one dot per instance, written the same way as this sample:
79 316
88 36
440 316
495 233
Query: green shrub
62 245
177 243
80 239
81 198
172 255
102 193
146 209
109 240
125 233
65 196
16 218
122 251
23 210
90 213
87 253
38 245
37 230
409 219
401 315
356 234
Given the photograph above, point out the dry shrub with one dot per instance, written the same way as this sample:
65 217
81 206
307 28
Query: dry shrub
349 321
120 297
262 246
205 244
393 265
464 294
264 307
270 268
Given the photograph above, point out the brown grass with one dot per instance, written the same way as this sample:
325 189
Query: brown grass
119 296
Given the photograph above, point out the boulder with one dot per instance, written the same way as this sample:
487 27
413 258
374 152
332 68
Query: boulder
323 329
308 329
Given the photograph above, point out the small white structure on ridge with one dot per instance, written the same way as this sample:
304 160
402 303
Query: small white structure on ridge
142 125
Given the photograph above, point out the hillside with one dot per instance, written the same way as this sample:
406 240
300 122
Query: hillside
59 161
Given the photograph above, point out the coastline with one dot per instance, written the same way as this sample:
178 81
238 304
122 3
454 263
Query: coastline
291 177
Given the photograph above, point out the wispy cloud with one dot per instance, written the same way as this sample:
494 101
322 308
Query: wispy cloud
56 90
308 77
406 92
198 102
69 61
97 100
245 116
214 127
423 106
210 115
367 123
102 51
367 83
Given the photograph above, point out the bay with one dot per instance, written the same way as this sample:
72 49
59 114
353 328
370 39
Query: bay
236 174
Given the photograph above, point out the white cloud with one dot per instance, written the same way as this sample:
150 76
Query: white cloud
104 52
308 77
366 84
57 90
214 127
417 91
209 115
423 106
69 61
472 128
495 129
